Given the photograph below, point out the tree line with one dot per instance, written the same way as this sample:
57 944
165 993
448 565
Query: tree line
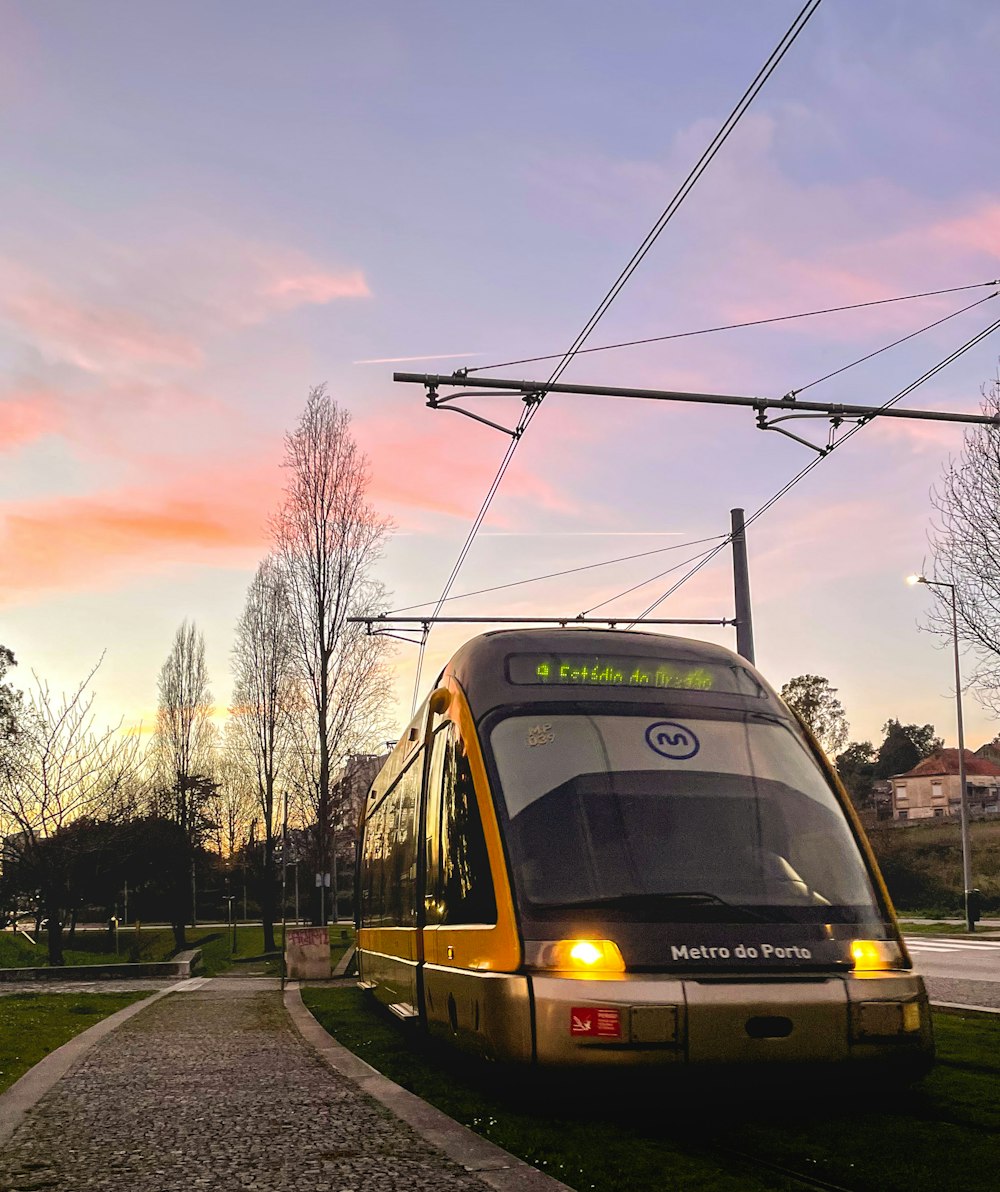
860 764
86 813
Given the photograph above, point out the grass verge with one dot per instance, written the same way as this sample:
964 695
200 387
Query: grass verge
630 1137
930 927
33 1024
220 952
249 958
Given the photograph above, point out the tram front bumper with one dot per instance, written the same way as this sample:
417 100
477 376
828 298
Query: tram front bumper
650 1020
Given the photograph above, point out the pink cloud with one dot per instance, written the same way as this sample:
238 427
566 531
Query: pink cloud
941 438
813 283
788 245
318 288
143 312
26 416
114 418
192 518
89 334
866 265
441 467
977 230
862 536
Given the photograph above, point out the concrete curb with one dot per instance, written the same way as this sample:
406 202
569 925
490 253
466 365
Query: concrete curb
493 1165
345 961
23 1094
958 1007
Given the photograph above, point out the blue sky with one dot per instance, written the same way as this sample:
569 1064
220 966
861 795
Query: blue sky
209 208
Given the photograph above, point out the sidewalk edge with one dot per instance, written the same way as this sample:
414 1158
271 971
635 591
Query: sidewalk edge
495 1166
26 1092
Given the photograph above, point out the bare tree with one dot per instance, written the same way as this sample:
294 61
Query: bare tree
328 538
235 806
965 544
11 714
61 770
263 664
185 737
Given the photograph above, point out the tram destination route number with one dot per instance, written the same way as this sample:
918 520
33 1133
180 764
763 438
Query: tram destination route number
604 670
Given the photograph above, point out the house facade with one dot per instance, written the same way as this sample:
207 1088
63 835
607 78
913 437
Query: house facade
931 790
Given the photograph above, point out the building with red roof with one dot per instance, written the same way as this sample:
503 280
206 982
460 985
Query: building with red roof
931 789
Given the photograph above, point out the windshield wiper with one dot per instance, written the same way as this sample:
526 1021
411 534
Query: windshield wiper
661 900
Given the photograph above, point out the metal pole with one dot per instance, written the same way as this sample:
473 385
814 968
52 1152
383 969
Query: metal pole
963 789
741 586
333 880
963 804
284 879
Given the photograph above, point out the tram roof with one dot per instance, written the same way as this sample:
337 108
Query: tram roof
479 665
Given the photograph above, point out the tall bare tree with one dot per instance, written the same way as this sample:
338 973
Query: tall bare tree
328 538
263 668
236 801
965 544
60 770
185 737
11 712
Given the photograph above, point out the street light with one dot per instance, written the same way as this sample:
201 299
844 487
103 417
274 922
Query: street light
970 921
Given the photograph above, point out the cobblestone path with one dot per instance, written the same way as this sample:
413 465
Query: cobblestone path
214 1089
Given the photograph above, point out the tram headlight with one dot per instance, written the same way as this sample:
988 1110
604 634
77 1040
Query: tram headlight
873 955
577 957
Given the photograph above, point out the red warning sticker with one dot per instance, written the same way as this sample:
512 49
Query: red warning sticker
600 1022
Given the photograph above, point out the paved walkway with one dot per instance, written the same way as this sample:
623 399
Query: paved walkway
212 1087
125 985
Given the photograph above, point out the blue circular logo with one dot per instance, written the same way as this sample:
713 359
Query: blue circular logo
669 739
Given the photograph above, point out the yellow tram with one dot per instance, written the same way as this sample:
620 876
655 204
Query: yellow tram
598 847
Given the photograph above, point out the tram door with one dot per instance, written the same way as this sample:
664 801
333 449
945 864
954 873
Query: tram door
390 936
469 932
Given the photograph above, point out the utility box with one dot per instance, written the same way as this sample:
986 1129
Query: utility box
307 953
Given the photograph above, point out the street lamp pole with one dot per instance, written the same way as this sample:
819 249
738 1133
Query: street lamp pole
970 921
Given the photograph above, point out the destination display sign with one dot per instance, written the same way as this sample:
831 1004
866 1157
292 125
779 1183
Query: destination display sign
617 670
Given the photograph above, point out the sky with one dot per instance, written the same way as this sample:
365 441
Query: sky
208 209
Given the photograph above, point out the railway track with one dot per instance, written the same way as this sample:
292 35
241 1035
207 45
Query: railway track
797 1178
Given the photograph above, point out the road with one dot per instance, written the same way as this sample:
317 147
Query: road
965 971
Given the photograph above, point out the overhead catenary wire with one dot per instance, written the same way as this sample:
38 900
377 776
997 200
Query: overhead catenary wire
532 407
802 314
534 579
895 344
714 550
814 463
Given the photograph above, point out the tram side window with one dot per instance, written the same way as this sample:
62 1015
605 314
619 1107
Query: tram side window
372 887
464 883
401 878
433 907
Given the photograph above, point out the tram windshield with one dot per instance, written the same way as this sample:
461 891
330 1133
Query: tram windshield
723 817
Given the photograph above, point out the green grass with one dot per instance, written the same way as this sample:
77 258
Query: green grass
157 943
33 1024
922 863
930 927
249 958
89 947
632 1136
